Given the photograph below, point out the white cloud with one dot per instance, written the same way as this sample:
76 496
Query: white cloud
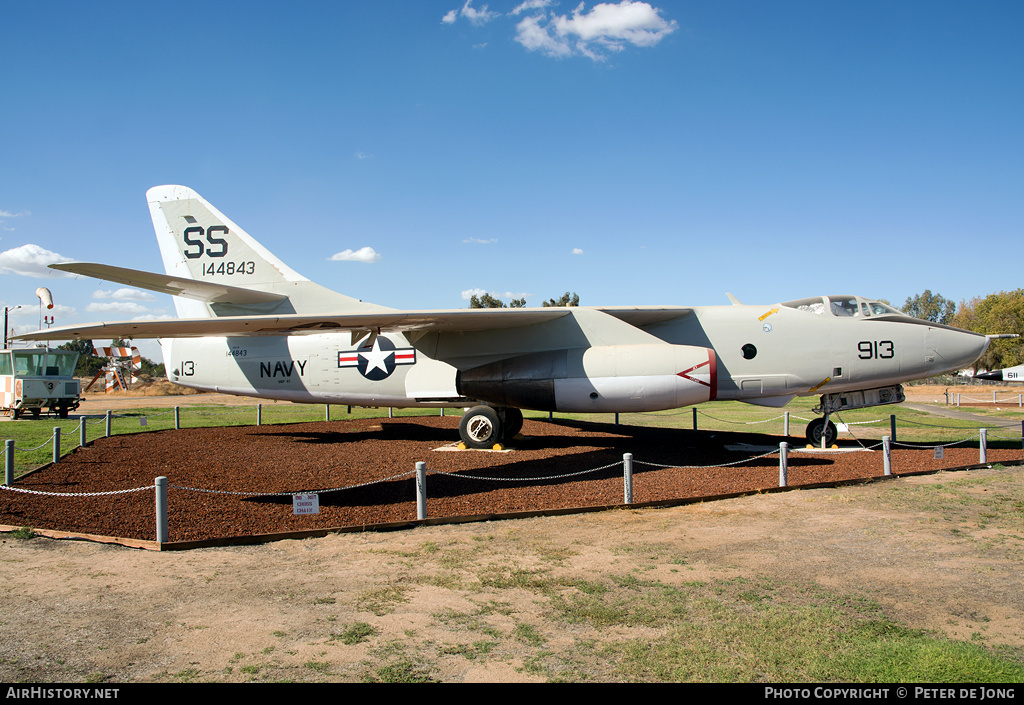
480 241
478 17
577 251
117 307
31 261
504 296
530 5
58 311
125 294
607 27
363 254
8 214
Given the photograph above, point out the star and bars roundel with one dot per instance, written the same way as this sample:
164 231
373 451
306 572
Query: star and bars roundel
377 361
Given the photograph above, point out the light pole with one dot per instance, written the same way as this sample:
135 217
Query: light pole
6 309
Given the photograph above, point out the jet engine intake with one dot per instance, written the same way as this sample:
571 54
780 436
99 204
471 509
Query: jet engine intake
607 378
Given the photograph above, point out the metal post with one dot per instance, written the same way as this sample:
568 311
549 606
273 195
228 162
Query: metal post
983 446
106 425
56 443
887 455
161 509
81 431
421 490
177 418
785 425
391 412
259 414
9 461
627 477
783 464
694 418
892 426
616 418
327 412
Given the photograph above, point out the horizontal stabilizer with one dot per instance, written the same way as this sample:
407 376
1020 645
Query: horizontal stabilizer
167 284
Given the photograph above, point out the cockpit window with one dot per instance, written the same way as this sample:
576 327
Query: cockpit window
842 306
878 308
815 305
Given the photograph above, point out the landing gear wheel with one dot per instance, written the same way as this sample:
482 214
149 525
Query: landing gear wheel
480 427
815 429
511 422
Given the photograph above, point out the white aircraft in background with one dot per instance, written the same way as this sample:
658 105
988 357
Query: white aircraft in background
1007 374
250 325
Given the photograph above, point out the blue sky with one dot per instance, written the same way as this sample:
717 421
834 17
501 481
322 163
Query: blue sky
635 153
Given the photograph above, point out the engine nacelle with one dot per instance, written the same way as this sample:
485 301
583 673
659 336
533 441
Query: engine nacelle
607 378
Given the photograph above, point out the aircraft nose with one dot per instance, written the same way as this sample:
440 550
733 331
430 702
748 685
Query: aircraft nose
959 348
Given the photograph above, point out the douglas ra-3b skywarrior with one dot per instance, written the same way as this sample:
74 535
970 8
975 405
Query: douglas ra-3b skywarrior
250 325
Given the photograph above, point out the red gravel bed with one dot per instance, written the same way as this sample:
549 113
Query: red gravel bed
545 469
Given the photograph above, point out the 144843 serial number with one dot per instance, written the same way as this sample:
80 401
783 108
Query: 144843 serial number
229 268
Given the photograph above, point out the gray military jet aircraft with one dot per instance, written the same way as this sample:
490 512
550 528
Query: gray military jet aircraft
250 325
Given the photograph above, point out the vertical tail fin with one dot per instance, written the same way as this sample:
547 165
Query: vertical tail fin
199 242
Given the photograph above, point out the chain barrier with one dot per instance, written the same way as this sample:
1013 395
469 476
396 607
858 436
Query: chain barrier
937 445
44 443
148 488
290 494
932 425
704 467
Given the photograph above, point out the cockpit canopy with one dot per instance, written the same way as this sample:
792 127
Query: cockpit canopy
843 306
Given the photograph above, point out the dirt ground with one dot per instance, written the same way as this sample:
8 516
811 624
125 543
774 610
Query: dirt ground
78 611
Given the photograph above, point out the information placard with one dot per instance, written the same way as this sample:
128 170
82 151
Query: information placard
305 504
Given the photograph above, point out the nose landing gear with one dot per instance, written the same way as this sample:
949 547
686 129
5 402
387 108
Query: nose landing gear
821 427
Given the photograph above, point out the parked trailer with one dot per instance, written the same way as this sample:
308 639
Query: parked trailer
37 381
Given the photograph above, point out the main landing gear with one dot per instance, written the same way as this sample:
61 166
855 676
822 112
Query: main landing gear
487 426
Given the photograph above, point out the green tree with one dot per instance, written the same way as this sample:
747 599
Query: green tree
566 300
930 307
488 301
994 314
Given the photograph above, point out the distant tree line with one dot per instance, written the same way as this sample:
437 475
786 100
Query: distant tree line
488 301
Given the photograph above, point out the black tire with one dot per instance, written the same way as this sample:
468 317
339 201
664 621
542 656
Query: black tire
511 422
814 431
480 427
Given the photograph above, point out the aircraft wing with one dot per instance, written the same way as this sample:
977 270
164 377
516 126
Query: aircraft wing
449 320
